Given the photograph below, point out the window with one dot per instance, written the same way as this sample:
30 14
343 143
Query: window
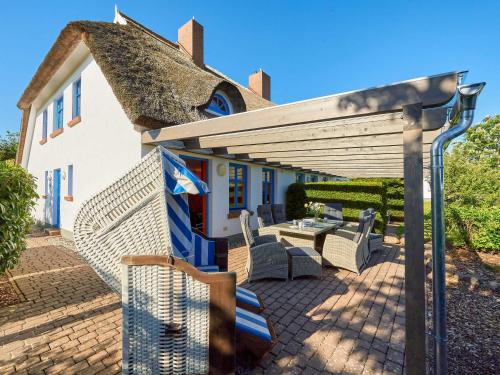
300 177
314 178
219 105
70 180
325 179
237 186
58 112
44 124
267 186
77 91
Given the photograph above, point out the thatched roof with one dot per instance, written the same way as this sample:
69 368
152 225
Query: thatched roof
156 83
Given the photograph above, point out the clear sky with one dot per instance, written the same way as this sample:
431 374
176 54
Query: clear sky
310 48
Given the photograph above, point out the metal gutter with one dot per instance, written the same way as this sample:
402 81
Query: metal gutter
467 103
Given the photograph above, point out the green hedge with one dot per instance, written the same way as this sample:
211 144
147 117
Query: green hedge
17 194
382 194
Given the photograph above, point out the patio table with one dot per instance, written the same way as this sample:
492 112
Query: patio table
312 237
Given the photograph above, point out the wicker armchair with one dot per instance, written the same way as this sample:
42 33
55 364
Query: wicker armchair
333 213
266 258
345 249
265 219
279 214
176 319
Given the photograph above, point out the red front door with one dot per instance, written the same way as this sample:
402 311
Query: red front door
197 203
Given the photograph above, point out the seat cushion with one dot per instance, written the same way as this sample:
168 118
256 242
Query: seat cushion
301 252
252 324
248 297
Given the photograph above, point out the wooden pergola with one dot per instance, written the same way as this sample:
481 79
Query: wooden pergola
379 132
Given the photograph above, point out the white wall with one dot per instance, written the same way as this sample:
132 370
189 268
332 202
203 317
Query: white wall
101 147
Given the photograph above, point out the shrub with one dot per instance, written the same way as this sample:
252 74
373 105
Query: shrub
17 198
295 200
478 228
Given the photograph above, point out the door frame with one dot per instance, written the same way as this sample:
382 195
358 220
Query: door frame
56 198
207 210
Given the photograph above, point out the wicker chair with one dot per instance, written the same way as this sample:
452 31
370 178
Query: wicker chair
266 258
265 219
333 212
345 249
176 319
279 214
179 320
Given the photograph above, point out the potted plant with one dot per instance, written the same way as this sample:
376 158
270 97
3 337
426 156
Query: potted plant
314 209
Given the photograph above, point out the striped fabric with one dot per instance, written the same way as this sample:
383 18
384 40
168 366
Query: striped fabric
253 324
187 245
179 181
247 296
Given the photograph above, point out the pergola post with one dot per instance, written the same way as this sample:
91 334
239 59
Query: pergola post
414 240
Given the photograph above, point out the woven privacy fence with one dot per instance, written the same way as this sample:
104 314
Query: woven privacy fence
384 195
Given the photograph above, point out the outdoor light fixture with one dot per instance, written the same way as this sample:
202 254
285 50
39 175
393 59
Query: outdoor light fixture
221 169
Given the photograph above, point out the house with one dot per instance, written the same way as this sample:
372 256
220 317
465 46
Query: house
101 85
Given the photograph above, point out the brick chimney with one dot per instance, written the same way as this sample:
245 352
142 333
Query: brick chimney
260 83
190 39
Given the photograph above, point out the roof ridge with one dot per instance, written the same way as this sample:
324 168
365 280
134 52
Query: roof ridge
148 31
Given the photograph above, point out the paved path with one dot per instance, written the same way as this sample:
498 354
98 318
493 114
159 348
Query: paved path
69 322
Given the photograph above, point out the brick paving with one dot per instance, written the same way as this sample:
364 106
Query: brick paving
68 321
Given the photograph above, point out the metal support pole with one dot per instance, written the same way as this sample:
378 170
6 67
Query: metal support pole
468 95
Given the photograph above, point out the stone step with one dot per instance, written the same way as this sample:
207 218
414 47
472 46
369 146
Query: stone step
52 232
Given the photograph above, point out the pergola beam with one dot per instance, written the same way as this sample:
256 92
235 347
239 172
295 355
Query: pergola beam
322 144
388 123
368 151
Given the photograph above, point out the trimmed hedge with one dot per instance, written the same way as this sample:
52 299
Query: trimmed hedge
384 195
17 198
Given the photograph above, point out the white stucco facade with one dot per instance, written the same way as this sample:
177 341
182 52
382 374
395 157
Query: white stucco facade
105 144
100 148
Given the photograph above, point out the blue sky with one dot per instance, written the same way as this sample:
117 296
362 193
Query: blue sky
310 48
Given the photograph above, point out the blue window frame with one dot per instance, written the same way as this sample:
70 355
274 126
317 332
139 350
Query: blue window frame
58 112
300 177
237 186
267 186
77 92
44 124
70 180
314 178
219 106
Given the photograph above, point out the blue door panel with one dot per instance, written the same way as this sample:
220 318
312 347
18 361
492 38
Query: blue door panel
56 204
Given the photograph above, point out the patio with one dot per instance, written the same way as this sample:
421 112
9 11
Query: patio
69 321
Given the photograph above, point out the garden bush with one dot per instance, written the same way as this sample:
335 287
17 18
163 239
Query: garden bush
17 198
477 228
295 200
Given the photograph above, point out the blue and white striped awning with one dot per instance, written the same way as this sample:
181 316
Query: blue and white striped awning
179 179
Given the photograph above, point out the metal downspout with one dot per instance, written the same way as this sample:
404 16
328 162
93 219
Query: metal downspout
468 95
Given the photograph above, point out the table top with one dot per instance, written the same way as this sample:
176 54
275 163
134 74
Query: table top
318 228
